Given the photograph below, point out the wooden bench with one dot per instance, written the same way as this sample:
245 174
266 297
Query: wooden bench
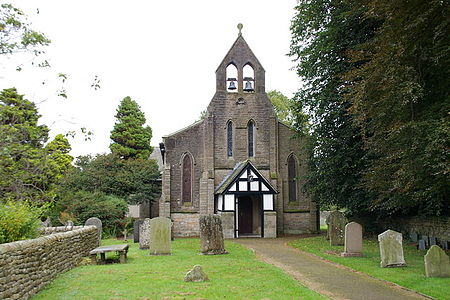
121 249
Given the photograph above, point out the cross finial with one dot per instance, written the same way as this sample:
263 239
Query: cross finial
240 28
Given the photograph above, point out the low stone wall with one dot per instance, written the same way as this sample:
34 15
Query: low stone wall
27 266
438 227
185 224
58 229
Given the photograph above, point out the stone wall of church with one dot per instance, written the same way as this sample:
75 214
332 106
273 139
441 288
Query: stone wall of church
254 107
185 224
297 216
190 140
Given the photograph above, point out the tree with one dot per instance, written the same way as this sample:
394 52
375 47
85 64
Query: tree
283 106
22 157
323 34
59 161
28 170
130 138
135 180
16 34
400 97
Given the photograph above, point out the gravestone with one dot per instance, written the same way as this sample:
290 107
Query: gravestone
391 249
69 223
336 228
196 275
211 235
437 263
414 237
432 241
97 223
136 230
421 245
160 233
427 243
444 244
353 240
144 234
327 222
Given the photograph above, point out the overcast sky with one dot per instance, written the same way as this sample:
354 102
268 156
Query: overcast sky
161 53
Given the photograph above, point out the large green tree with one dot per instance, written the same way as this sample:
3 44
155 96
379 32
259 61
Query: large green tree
323 34
28 170
135 180
283 106
131 139
401 98
22 157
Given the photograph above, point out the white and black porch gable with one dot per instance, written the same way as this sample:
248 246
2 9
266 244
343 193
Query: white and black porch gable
243 180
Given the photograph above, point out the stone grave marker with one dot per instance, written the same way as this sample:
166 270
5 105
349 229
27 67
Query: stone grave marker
421 245
427 242
160 233
444 244
336 228
391 249
93 221
327 222
46 223
437 263
353 240
432 240
414 237
144 234
196 275
137 223
211 235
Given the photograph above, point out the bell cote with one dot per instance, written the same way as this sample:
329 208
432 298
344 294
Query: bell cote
240 71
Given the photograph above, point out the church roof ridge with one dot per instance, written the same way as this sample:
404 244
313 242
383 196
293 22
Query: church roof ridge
185 128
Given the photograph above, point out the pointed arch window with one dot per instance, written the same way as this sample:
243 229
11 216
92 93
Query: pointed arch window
292 178
251 138
232 75
186 190
229 139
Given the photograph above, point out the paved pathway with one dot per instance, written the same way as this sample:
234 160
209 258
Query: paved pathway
324 277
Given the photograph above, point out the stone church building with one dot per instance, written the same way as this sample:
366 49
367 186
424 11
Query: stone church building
239 162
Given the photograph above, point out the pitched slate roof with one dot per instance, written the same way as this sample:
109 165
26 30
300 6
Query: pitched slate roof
236 173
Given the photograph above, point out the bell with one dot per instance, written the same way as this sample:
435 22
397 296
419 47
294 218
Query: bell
232 86
248 87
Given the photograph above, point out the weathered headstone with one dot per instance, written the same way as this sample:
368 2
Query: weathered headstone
327 222
69 223
336 228
427 242
211 235
160 233
421 245
391 249
97 223
353 240
196 275
144 234
136 230
414 237
432 241
444 244
437 263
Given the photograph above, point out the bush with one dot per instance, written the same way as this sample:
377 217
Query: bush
82 205
18 221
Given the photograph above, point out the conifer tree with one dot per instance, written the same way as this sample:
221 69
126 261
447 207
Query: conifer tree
131 139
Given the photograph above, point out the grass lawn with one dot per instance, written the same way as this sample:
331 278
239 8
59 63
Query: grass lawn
237 275
412 276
